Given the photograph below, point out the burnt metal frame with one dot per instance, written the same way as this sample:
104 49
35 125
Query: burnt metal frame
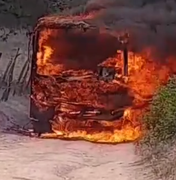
125 60
40 120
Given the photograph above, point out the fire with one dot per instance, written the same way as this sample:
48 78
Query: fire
44 56
78 96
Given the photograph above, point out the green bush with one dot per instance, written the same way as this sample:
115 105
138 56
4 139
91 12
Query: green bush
157 146
160 121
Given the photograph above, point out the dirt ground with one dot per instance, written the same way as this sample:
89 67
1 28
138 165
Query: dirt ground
24 158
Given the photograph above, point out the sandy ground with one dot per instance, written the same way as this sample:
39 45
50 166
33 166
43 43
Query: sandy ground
33 159
24 158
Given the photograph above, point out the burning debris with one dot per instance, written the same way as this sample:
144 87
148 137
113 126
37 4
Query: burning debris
87 83
106 73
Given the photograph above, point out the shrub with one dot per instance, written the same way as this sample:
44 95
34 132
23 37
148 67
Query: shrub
157 145
160 121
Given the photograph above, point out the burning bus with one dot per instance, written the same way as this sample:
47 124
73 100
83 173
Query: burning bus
86 83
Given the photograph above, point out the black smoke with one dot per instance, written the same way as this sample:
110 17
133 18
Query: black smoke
151 24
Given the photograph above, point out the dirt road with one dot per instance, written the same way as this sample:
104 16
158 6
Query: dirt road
33 159
24 158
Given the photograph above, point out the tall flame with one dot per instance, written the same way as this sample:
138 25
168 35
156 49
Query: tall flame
145 76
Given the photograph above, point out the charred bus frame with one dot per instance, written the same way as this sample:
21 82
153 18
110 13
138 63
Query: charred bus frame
41 119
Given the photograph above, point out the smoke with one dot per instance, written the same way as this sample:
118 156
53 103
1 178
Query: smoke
151 24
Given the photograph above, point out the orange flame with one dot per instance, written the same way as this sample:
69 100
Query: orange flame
145 76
